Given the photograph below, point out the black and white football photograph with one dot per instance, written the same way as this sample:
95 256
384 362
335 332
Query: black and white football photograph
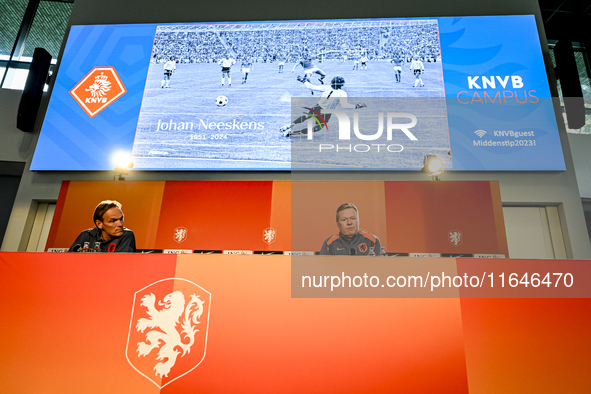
219 96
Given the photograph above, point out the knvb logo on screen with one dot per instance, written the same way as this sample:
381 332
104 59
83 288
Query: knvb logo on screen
98 89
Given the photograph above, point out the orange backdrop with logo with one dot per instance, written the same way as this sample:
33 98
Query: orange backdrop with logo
407 217
216 215
71 324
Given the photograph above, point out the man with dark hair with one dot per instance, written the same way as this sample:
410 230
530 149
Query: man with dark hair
108 231
350 240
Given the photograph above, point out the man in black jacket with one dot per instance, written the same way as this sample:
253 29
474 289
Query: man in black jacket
350 240
108 231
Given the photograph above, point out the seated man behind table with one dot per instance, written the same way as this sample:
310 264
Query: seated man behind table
349 240
109 230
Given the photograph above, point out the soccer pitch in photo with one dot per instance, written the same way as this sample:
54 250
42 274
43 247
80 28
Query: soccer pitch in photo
183 125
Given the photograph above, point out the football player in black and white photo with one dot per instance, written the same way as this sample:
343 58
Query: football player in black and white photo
398 62
281 65
309 69
332 96
246 66
169 68
417 67
363 60
226 63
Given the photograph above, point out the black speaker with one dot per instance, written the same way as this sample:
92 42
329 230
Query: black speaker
566 70
33 91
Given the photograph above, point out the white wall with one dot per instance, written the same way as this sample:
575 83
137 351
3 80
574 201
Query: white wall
557 188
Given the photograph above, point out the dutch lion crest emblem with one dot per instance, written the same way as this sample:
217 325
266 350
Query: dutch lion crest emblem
100 86
180 234
269 235
166 337
455 237
167 326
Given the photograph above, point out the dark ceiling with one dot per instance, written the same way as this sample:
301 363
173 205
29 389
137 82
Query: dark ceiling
568 19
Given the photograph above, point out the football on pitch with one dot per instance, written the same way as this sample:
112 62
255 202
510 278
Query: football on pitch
221 101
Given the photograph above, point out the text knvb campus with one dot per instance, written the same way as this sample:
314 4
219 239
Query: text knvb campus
509 87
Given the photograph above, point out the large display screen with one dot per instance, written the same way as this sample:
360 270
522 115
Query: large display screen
221 96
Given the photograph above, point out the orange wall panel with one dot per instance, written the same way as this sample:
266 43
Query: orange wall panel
141 206
66 318
281 215
314 206
527 345
499 219
263 341
217 215
420 216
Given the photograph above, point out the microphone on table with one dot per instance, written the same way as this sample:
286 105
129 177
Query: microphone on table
352 251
